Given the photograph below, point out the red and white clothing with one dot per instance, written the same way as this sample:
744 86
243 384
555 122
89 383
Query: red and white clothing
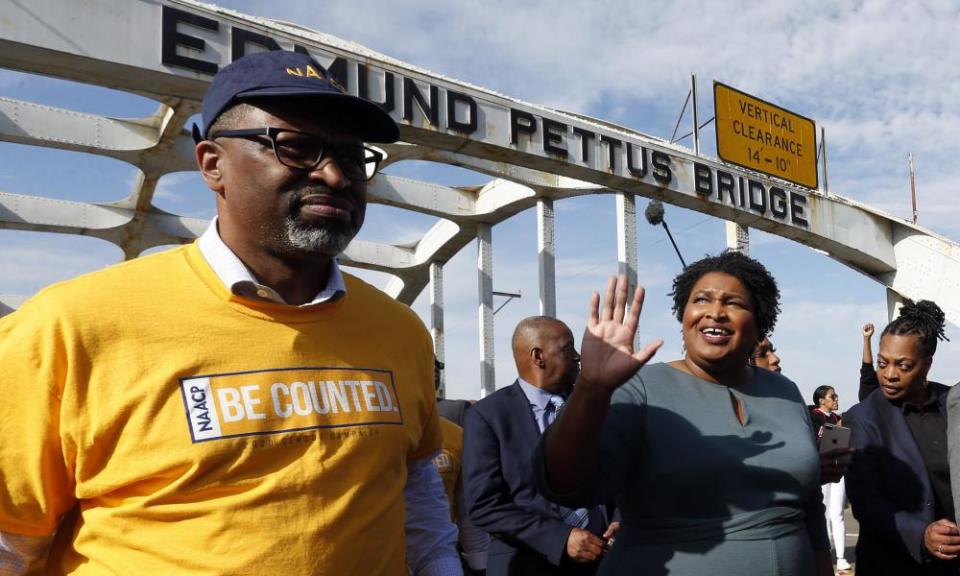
834 494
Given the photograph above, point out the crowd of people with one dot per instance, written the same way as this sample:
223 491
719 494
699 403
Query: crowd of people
241 405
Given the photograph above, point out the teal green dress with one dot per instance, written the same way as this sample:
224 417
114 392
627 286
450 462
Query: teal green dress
698 492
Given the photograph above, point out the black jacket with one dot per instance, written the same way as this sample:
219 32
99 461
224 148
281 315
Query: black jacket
890 491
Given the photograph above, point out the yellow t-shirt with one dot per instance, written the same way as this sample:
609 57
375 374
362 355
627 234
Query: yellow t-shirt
450 460
204 433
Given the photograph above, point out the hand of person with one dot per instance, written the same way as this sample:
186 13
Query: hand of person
612 530
607 358
868 330
942 539
833 464
584 546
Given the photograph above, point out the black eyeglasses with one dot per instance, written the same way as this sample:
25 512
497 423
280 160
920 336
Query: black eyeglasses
305 151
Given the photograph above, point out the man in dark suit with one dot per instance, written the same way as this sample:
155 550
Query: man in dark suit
529 534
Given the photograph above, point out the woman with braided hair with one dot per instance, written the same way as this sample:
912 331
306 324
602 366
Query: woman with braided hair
899 480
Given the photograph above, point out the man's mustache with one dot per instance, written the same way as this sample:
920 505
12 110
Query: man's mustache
339 199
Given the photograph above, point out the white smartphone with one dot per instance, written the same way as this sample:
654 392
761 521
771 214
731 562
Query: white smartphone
834 437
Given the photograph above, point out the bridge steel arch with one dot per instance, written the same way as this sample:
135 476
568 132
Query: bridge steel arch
167 50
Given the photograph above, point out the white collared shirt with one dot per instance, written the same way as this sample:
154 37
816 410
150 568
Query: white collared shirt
240 280
538 399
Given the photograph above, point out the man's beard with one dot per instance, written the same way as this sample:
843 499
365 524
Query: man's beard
329 238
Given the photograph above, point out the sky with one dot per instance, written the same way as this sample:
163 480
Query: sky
875 75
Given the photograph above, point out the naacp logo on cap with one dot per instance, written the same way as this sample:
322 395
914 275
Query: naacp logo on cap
310 72
282 74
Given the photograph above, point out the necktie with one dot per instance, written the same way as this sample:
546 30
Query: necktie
551 410
581 516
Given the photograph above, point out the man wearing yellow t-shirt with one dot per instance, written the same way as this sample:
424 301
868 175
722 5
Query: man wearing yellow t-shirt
239 405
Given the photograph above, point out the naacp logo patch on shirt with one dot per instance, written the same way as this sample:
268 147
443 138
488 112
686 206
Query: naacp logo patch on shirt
288 399
443 461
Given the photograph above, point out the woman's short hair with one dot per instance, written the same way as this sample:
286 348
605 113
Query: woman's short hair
820 393
758 281
924 319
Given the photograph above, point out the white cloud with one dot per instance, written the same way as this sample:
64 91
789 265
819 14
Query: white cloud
30 261
171 186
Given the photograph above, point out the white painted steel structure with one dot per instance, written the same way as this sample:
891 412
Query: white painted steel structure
167 50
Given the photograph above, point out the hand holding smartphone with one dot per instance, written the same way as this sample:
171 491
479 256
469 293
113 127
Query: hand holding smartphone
834 437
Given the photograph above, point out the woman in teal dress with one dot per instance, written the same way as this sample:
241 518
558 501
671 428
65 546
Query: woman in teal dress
711 460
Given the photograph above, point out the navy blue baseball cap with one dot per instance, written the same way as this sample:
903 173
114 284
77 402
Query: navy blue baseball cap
279 74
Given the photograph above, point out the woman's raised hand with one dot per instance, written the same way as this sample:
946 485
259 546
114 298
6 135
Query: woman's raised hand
607 357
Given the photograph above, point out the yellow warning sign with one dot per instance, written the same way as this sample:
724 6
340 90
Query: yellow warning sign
763 137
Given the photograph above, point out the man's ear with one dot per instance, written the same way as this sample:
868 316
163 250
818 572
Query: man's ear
536 355
209 154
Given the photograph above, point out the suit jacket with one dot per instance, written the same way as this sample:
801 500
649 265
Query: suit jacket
889 488
953 444
528 535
